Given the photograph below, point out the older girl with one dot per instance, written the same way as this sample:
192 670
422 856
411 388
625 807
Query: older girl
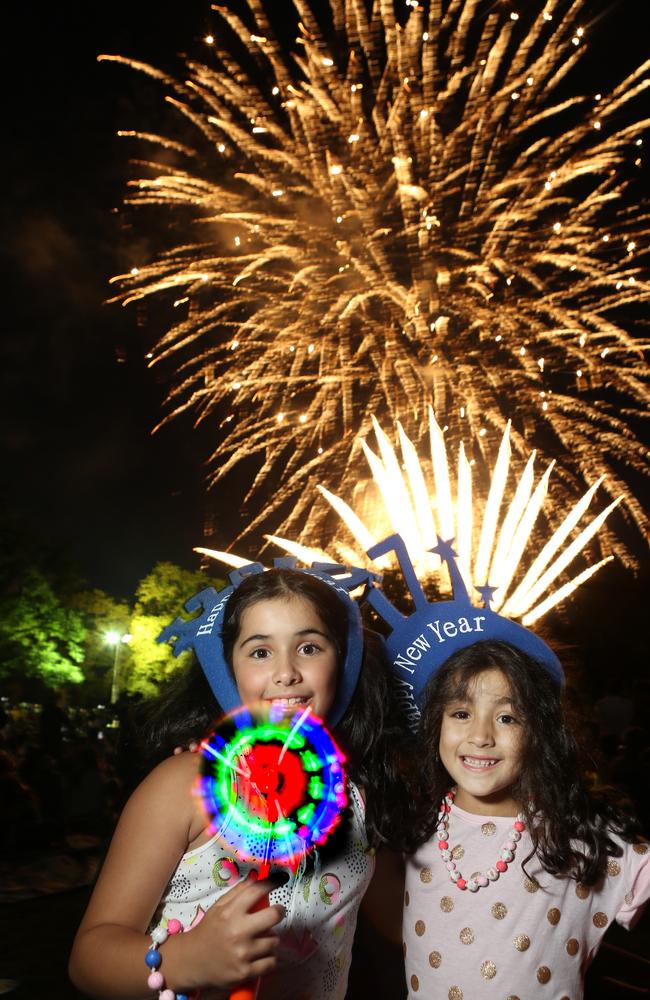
290 638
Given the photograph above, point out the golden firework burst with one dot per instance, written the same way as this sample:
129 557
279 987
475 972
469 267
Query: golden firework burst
394 212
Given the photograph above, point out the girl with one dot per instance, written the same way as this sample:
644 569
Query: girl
518 871
287 637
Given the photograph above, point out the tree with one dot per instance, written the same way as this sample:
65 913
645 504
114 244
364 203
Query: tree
101 615
39 636
160 598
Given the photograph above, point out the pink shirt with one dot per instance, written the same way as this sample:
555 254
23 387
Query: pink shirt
522 936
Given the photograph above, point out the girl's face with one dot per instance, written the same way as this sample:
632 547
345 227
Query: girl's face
284 655
480 745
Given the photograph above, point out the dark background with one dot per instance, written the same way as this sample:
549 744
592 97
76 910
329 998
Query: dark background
82 469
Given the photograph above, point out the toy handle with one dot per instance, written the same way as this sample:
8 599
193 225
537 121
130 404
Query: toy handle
251 991
247 992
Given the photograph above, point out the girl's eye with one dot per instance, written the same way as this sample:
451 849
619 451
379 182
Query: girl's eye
460 713
260 654
508 720
309 648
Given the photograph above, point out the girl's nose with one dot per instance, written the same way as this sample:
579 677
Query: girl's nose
481 734
286 671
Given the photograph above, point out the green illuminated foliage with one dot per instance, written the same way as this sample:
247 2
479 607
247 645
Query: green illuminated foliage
39 636
159 599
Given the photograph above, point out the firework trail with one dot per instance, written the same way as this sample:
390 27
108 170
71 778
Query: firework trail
497 544
395 211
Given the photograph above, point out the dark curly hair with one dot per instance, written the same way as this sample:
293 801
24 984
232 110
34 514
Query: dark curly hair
574 837
369 733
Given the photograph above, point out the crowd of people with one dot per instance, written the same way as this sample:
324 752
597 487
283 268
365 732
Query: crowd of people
60 774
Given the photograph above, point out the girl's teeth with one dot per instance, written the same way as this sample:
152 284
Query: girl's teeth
474 762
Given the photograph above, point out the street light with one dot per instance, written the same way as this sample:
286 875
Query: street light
116 639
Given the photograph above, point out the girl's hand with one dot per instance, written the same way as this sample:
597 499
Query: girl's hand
235 941
230 945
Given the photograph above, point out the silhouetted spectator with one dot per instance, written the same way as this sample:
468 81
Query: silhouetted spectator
613 713
54 723
86 805
629 771
17 807
41 772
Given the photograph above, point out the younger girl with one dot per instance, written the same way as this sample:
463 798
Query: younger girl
290 638
518 872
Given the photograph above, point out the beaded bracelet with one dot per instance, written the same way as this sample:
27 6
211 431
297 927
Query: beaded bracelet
153 960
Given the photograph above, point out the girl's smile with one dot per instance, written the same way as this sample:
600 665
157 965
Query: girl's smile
480 743
284 654
472 763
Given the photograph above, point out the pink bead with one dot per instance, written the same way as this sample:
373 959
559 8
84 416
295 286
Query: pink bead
501 866
156 981
519 826
167 995
451 866
482 880
174 926
510 845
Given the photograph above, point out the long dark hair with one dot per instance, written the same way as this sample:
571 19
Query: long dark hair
369 732
573 837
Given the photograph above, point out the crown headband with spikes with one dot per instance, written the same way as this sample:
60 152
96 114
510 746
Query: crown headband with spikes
203 633
420 643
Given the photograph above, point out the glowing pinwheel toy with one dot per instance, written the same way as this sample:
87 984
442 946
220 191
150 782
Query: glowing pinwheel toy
272 785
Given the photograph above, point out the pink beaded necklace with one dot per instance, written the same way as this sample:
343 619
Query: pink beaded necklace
506 856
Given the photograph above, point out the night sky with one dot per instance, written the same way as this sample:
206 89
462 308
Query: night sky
81 468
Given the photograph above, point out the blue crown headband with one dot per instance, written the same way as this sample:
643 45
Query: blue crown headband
203 633
419 644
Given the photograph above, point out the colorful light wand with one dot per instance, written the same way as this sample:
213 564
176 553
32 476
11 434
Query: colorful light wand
273 787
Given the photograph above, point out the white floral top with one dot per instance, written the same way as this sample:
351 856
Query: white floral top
321 906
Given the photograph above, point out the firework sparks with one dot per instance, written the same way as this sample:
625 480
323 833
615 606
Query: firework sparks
391 214
497 540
